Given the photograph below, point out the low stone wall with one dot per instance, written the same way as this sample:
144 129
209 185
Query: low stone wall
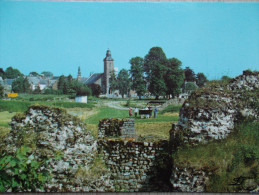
138 166
189 180
112 127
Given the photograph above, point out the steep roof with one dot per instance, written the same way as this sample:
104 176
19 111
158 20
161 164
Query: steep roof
33 80
93 78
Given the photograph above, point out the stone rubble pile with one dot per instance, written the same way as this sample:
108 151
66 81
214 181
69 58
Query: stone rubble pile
50 130
211 114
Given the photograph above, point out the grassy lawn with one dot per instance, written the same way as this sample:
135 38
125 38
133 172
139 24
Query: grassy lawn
5 118
233 157
158 127
21 106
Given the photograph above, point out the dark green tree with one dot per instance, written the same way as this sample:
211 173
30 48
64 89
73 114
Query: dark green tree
47 74
34 74
137 75
96 89
2 73
12 73
189 75
1 91
124 83
84 91
61 82
174 77
201 79
21 85
155 67
113 82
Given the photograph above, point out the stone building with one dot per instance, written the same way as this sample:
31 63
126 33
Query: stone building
101 79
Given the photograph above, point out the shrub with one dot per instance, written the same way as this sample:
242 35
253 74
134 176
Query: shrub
83 91
21 172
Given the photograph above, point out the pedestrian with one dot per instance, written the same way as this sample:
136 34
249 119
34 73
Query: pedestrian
130 112
155 112
136 112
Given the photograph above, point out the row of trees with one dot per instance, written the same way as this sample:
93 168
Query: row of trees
162 76
13 73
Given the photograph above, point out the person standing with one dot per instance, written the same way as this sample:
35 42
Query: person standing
155 112
136 112
130 112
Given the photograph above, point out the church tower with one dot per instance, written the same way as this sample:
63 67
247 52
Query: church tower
79 74
108 68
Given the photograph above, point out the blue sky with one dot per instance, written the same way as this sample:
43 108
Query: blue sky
214 38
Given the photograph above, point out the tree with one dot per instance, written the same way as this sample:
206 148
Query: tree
174 77
201 79
137 75
124 83
11 73
34 74
47 74
1 91
96 89
113 81
83 91
61 82
2 73
21 85
155 67
189 75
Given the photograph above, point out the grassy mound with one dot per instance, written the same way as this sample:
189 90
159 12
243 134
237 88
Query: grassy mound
231 162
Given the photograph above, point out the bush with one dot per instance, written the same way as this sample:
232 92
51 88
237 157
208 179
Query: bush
21 172
83 91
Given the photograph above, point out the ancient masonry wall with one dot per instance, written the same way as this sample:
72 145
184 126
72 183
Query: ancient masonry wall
111 127
138 166
189 179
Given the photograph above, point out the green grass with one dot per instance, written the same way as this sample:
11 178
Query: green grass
171 108
21 106
107 112
233 157
5 118
41 97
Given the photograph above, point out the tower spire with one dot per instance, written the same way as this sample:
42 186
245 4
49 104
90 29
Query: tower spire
79 74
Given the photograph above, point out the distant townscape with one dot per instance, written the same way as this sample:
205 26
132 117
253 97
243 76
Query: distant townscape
151 76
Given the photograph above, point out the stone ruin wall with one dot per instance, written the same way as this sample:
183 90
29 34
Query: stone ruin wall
138 166
49 130
200 124
112 127
188 179
134 165
211 114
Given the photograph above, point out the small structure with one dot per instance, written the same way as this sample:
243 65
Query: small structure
145 113
81 99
